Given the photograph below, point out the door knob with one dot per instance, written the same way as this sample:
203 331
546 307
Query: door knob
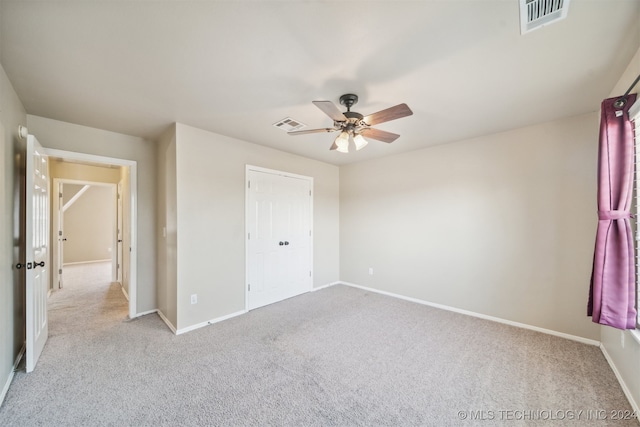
20 265
119 240
286 243
38 264
281 243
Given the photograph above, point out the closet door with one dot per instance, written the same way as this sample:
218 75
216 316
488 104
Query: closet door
278 237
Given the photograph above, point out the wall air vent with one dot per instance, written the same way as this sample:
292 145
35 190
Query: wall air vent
535 14
289 125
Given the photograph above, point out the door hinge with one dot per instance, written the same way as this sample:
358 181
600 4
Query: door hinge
59 232
60 271
60 195
248 184
309 273
248 286
309 192
248 236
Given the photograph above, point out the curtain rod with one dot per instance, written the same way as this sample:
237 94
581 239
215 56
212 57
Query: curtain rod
620 102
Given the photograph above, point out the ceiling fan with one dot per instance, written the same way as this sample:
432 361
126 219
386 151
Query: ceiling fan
354 125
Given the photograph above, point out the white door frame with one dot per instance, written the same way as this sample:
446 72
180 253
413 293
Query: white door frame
248 169
55 220
133 203
118 259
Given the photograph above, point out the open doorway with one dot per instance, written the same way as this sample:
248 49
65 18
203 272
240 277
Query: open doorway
78 178
86 226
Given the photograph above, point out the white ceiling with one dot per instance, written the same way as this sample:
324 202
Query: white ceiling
237 67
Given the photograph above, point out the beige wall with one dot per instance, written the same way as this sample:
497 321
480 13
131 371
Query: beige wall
12 319
70 137
500 225
89 225
210 171
166 233
61 169
623 348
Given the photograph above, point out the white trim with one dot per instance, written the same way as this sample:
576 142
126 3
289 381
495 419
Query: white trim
133 200
251 168
634 110
7 384
277 172
480 316
328 285
87 262
208 322
126 295
623 385
144 313
166 321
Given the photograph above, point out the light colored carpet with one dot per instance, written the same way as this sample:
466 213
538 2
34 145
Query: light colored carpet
337 357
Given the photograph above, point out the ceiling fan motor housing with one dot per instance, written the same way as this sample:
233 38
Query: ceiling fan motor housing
349 100
354 120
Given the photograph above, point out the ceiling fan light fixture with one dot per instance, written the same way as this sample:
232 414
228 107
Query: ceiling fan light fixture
350 123
342 142
359 141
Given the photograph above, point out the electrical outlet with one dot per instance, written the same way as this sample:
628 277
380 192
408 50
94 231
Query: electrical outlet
370 271
194 299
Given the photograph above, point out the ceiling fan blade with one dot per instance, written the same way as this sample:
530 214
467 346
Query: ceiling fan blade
392 113
380 135
330 109
302 132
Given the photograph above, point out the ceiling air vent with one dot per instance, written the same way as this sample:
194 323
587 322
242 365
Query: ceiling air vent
538 13
289 125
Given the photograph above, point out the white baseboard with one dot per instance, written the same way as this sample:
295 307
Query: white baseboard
623 385
87 262
124 291
7 384
209 322
144 313
480 315
328 285
166 321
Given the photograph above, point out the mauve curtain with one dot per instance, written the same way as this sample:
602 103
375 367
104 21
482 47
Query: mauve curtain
612 292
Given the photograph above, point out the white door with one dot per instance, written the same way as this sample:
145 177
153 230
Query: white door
279 237
119 214
37 250
60 236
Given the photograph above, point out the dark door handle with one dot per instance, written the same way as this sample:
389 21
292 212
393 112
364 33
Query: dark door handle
38 264
64 240
19 266
281 243
119 240
286 243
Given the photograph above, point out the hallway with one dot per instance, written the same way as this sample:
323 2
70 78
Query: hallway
87 298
